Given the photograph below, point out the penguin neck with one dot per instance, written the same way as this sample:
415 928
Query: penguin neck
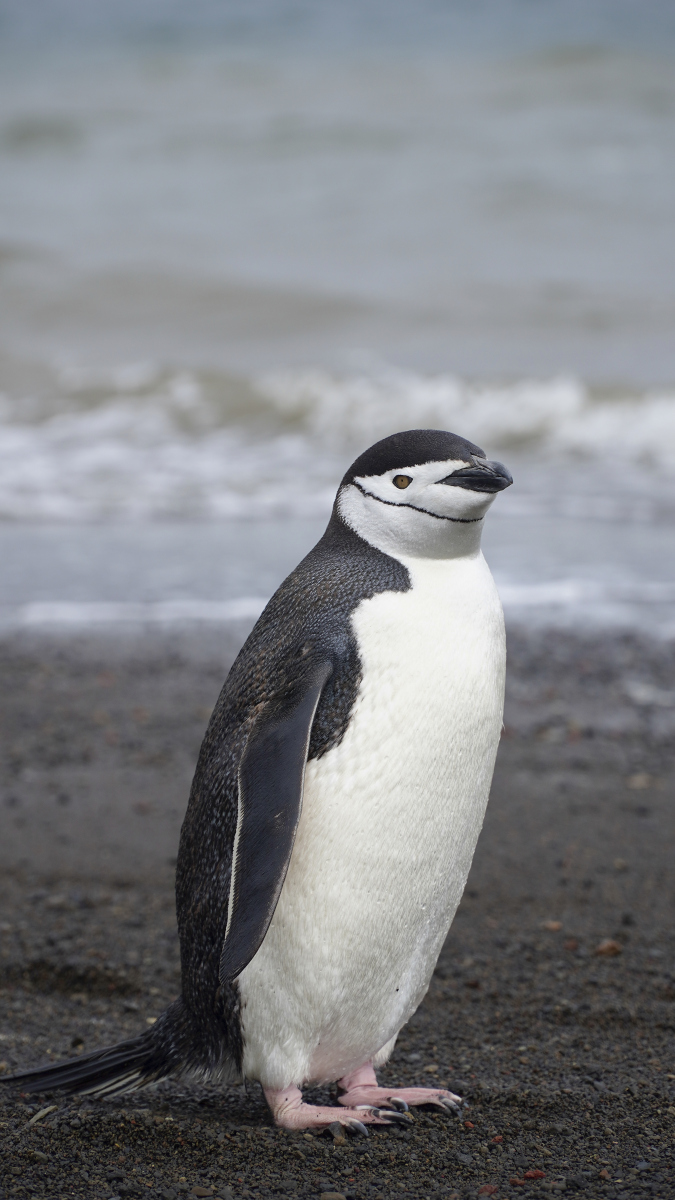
415 535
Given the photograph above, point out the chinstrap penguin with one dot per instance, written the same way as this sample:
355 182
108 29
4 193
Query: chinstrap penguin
338 797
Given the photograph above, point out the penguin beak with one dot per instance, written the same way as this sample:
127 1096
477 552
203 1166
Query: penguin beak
483 476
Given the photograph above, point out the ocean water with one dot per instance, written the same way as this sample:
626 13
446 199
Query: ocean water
239 242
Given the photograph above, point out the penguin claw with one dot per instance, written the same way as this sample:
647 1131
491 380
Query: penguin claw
451 1106
398 1104
395 1116
356 1127
391 1116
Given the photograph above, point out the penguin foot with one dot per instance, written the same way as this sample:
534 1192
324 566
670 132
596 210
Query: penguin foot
290 1112
361 1088
401 1099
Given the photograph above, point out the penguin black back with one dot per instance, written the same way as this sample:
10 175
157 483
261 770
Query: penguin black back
306 622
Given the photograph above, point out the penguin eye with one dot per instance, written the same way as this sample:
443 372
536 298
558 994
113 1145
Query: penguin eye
402 481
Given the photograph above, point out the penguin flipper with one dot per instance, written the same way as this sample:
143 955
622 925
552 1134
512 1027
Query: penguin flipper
271 779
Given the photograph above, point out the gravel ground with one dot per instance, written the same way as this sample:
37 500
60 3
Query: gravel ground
552 1009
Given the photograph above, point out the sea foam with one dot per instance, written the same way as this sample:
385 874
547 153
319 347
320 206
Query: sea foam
140 442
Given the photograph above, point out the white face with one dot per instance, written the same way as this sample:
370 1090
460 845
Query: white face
409 512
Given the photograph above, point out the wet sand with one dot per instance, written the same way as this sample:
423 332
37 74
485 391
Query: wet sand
553 1006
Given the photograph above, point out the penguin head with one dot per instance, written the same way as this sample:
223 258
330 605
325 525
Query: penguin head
422 493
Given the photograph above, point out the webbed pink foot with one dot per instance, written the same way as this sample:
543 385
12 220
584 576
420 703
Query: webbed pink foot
290 1112
361 1087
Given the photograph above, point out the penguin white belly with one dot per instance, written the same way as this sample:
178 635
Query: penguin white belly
389 825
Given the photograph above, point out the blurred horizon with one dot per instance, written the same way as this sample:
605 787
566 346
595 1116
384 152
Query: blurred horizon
484 190
470 24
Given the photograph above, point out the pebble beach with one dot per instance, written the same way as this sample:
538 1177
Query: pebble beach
552 1009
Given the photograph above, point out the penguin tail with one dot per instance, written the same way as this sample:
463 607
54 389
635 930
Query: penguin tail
159 1052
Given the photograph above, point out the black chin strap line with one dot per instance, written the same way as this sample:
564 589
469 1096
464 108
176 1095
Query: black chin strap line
436 516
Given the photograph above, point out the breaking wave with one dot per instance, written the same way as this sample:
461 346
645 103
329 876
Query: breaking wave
142 442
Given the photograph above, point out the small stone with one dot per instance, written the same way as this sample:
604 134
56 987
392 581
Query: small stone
552 926
333 1196
571 944
608 948
640 781
488 1189
534 1174
44 1112
200 1191
465 1159
168 1194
